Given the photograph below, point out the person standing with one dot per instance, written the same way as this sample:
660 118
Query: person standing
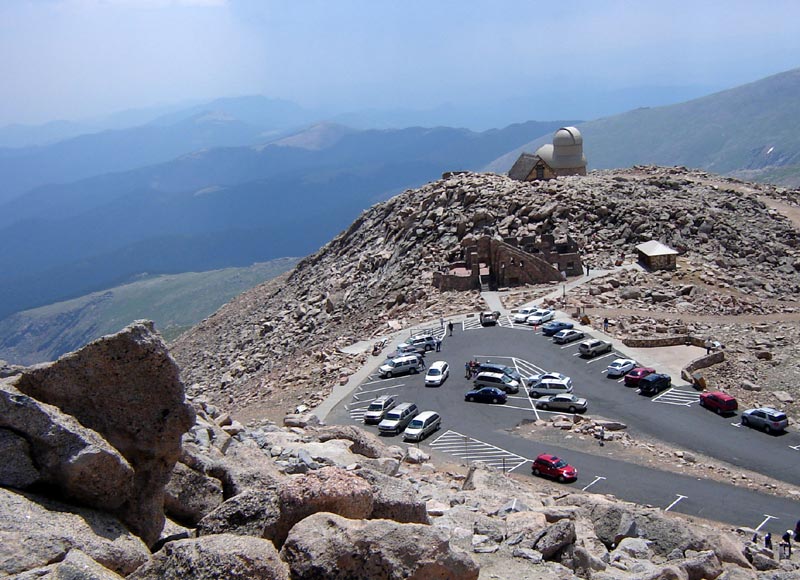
468 369
787 542
441 322
450 327
605 324
768 541
438 344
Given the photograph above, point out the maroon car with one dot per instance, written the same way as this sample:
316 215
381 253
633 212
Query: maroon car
554 467
718 402
633 377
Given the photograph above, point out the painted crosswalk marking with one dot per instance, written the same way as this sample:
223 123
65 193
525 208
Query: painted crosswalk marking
470 449
677 397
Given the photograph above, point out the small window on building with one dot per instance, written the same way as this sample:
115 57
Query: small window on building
539 172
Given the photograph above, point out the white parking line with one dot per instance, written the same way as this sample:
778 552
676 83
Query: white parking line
795 447
379 390
597 358
570 344
767 518
465 447
680 497
676 396
596 479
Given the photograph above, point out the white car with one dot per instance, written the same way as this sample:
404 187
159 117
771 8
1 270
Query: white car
534 380
620 367
522 314
540 316
437 374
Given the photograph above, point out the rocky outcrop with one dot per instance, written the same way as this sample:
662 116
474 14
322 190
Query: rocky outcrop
327 546
35 532
76 565
212 557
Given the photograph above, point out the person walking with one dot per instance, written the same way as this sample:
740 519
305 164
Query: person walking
708 346
605 324
468 369
450 327
768 541
438 344
587 269
441 322
787 543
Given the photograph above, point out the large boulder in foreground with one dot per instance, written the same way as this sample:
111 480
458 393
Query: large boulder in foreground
325 546
213 557
47 447
127 388
75 566
35 532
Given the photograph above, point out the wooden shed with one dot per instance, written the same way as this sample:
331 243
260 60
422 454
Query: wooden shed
656 256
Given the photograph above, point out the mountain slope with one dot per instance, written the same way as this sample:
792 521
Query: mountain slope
376 276
174 303
218 208
748 130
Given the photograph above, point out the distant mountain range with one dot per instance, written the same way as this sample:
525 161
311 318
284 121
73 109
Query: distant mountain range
221 207
751 131
174 302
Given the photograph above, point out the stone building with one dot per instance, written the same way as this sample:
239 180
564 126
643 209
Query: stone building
563 157
656 256
491 263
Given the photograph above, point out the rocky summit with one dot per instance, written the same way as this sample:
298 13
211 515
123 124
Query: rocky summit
738 256
120 461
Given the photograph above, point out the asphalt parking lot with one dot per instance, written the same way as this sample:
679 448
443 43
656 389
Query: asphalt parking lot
472 431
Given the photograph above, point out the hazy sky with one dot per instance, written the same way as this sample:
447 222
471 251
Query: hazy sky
82 58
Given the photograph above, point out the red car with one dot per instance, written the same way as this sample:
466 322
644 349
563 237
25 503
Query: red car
719 402
632 378
554 467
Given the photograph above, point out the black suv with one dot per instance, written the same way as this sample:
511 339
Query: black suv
654 383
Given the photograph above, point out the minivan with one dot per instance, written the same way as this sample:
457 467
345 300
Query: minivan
549 387
379 407
402 364
422 425
499 380
398 418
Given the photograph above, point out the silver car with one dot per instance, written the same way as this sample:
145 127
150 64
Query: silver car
766 418
563 402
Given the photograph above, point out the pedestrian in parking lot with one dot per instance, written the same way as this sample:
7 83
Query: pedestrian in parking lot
605 325
450 327
468 369
438 345
441 322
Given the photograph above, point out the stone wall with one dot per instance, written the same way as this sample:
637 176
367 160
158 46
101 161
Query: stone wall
703 362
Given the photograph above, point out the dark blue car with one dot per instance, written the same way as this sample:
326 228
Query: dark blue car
486 395
550 328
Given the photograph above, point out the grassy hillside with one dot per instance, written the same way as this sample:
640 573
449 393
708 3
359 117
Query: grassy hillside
175 302
749 130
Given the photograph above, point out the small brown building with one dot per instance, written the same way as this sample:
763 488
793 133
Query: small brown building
654 255
564 157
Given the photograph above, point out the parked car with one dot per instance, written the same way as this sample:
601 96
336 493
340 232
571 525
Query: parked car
437 373
620 366
406 349
379 407
409 363
522 314
593 347
654 383
498 368
634 376
568 335
547 387
486 395
765 418
426 341
489 318
555 467
534 380
398 418
499 380
554 326
563 402
541 316
719 402
422 425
